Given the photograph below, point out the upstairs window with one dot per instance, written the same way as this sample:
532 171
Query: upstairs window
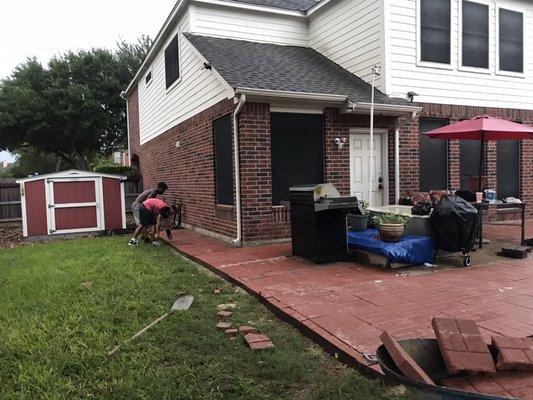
149 77
511 41
475 51
172 62
435 31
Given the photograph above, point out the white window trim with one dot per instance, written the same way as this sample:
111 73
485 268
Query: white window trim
503 72
460 66
430 64
177 81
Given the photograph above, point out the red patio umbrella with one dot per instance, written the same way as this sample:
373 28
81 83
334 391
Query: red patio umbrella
483 128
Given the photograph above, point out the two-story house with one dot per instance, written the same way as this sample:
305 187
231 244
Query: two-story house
239 99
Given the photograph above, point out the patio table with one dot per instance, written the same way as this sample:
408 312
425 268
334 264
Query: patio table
481 207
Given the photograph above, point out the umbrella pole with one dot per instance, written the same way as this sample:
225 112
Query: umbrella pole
481 156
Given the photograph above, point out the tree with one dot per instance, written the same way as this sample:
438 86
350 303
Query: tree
33 162
72 108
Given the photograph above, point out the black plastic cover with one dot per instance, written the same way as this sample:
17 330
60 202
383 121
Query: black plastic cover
454 222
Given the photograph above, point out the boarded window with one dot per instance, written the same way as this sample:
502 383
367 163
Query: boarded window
469 153
508 168
475 34
433 157
172 62
223 160
297 146
435 31
511 38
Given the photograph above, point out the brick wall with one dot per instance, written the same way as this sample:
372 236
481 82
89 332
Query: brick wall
189 170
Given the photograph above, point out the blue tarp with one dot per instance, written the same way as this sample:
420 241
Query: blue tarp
410 249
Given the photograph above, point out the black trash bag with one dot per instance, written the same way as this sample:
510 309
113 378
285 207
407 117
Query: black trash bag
422 208
454 222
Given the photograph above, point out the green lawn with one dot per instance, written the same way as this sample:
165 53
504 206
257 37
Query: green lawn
63 305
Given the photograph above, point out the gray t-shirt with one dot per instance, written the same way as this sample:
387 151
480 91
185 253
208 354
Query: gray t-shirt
147 194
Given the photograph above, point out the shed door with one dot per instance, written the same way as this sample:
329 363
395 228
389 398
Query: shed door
75 205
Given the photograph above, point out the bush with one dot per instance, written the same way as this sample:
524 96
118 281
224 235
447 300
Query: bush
116 169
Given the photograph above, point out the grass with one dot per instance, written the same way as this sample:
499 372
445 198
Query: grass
64 304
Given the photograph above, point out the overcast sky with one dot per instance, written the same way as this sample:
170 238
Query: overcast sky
46 28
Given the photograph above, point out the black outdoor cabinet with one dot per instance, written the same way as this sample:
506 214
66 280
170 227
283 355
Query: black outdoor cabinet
318 222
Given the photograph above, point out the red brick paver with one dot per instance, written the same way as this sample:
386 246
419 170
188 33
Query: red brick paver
514 353
345 306
462 346
404 361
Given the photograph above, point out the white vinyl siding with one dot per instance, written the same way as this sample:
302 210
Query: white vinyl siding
455 84
351 33
197 89
228 22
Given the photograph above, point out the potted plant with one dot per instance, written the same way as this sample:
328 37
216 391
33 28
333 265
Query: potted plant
359 222
391 226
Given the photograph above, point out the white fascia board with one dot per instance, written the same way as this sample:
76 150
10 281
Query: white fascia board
317 7
280 94
156 45
388 109
254 7
229 88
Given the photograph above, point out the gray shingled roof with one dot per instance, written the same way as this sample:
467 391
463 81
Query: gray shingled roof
267 66
295 5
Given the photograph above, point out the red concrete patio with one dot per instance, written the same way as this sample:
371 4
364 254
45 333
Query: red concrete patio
345 306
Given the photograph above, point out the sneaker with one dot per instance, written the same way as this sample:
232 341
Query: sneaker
133 242
156 243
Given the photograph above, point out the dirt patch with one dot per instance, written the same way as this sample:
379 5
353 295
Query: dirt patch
11 236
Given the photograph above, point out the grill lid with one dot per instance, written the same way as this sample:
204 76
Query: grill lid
320 191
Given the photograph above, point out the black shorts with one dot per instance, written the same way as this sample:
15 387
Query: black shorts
146 217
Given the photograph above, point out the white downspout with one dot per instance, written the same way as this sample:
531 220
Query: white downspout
397 164
236 152
128 161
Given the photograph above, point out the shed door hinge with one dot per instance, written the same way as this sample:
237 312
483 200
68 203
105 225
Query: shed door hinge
51 205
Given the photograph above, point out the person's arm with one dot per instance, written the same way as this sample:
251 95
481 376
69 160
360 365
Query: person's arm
158 226
153 194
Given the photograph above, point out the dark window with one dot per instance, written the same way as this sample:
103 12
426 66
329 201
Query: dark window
469 153
508 168
148 77
223 160
435 31
297 145
511 41
433 157
172 61
475 34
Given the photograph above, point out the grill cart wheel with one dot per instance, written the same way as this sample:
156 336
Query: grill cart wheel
467 260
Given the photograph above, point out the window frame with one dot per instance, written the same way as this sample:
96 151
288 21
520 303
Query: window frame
432 64
460 66
149 78
178 80
503 72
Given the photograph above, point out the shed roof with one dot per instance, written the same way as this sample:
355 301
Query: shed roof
265 66
71 173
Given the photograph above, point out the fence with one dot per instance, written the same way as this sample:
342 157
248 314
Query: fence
10 210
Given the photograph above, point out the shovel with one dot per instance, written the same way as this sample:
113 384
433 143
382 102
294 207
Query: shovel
181 304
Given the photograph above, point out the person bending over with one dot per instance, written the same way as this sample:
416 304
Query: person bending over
147 194
151 212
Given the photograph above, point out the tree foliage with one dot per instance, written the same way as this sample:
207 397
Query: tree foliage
71 108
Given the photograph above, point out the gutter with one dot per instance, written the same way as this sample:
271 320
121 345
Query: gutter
236 151
123 96
281 94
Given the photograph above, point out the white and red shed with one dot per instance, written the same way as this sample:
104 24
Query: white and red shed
72 202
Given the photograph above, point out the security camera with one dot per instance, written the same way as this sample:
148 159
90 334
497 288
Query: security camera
340 142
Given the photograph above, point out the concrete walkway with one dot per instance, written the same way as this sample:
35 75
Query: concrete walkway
344 306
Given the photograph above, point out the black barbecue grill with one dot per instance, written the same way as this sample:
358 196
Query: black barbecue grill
318 221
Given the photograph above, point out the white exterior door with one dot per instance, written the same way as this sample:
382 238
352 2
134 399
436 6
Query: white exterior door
360 165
